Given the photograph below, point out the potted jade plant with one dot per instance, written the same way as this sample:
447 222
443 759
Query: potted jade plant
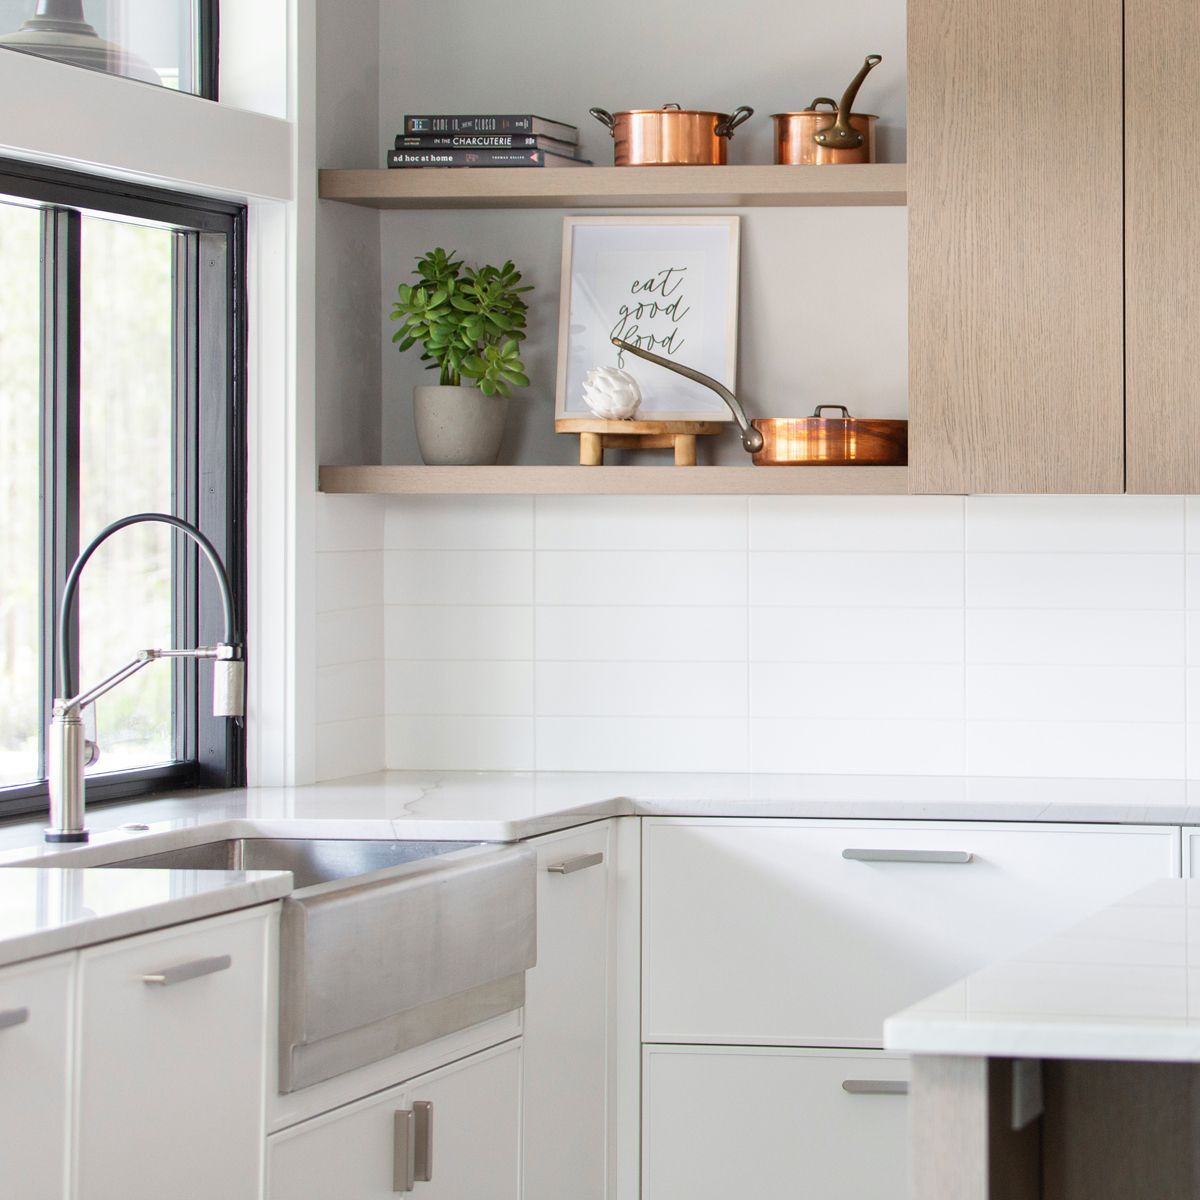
470 322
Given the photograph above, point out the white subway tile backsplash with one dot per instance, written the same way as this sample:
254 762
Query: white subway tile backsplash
856 635
641 523
462 743
1075 693
856 747
1134 581
462 632
1074 524
869 580
458 576
347 748
856 523
1076 749
701 635
641 577
816 691
627 689
348 579
349 691
1191 508
459 523
1193 581
460 688
1075 636
641 744
349 636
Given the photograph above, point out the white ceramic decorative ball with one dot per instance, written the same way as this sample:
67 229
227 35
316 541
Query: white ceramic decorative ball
611 393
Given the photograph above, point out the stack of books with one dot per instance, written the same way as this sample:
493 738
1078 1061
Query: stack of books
486 141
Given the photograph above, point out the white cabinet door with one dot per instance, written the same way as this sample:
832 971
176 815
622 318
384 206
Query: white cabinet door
172 1063
785 932
464 1126
35 1077
567 1012
773 1124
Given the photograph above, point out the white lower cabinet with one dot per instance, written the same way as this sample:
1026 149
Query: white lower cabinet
454 1134
35 1077
791 932
773 1124
171 1070
567 1019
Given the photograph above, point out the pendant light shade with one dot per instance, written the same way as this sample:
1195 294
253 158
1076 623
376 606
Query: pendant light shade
58 30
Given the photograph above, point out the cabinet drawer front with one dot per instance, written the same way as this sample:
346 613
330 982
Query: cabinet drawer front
172 1062
760 1124
811 933
35 1047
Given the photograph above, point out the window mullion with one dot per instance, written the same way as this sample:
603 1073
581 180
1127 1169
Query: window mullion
60 354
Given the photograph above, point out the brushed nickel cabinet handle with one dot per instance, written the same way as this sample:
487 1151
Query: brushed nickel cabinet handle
908 856
190 970
404 1146
13 1016
875 1087
423 1141
581 863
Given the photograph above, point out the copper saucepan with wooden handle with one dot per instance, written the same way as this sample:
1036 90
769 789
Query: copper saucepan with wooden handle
670 136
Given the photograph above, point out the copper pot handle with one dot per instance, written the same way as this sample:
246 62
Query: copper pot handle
605 118
840 135
822 100
739 115
840 407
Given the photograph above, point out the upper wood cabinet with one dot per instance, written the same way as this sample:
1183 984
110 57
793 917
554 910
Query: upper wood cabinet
1162 243
1015 240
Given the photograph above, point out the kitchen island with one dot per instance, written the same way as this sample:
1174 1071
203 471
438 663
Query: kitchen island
1069 1071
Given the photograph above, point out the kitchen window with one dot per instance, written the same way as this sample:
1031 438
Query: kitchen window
121 384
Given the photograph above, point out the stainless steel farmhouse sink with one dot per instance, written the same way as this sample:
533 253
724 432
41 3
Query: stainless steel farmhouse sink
384 945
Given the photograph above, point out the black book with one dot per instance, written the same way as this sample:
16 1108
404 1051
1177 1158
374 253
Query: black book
482 158
491 124
483 141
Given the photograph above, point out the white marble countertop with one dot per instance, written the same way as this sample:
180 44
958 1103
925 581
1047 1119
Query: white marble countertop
45 911
504 806
1124 984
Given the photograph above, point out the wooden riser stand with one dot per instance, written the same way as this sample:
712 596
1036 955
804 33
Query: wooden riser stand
597 435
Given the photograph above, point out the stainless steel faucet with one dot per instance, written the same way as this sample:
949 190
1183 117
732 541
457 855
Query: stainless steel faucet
69 750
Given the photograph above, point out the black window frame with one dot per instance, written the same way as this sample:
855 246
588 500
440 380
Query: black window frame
210 451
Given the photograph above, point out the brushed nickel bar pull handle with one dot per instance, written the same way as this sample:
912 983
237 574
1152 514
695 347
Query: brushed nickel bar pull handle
875 1087
13 1016
404 1145
577 864
909 856
190 970
423 1141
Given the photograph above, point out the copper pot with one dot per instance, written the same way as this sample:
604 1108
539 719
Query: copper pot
670 136
796 133
831 442
815 138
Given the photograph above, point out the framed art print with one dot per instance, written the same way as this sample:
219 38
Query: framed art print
667 284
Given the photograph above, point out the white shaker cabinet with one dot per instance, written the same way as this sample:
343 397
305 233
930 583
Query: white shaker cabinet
35 1076
453 1134
171 1070
768 1123
790 932
568 1042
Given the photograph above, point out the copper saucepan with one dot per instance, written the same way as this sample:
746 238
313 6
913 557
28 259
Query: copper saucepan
831 441
815 137
670 136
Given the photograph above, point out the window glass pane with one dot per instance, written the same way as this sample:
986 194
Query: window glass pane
20 469
126 432
151 40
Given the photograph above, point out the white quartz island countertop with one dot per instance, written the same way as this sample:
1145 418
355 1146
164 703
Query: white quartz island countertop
1122 985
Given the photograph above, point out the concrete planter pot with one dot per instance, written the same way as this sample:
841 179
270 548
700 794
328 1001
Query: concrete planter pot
458 426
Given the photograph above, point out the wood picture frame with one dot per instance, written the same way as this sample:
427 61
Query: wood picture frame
668 283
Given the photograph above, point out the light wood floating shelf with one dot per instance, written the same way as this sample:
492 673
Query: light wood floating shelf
871 184
616 481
